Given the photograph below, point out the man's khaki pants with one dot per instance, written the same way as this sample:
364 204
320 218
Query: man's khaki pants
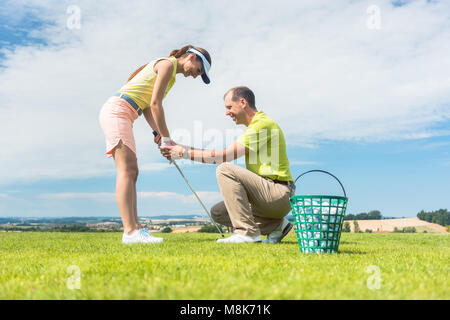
252 205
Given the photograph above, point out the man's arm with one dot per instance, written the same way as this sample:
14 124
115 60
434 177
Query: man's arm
232 152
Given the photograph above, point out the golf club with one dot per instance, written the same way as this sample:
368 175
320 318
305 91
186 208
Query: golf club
195 193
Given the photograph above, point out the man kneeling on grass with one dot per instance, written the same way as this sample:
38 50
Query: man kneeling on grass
256 199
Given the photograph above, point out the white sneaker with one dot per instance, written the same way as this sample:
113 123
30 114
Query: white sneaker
279 233
238 238
141 236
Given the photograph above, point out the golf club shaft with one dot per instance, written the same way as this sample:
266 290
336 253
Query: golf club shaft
193 191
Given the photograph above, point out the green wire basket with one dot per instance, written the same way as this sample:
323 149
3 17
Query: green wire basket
318 219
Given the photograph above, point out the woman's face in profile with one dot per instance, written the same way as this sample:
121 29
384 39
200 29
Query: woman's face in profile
193 67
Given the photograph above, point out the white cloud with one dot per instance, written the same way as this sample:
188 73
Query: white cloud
315 68
302 163
78 195
173 197
205 196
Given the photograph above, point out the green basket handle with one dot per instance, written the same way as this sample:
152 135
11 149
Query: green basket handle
345 195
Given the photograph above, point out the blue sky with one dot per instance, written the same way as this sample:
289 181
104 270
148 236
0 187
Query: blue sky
372 106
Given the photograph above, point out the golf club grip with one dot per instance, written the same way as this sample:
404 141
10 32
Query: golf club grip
155 133
345 194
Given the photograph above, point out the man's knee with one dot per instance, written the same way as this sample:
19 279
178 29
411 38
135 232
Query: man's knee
224 169
217 210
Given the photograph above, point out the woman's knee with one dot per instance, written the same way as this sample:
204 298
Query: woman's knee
128 172
126 161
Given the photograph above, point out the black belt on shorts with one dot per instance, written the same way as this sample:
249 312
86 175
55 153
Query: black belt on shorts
286 183
130 101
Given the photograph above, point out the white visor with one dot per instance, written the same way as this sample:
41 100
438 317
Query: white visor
205 64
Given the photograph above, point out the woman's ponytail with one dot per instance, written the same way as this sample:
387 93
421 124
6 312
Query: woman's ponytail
179 52
136 72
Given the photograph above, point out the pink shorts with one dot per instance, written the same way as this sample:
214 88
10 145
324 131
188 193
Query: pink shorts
116 119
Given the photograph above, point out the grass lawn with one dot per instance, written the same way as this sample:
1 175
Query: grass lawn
34 265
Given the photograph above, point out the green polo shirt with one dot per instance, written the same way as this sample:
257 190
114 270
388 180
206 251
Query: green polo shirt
267 155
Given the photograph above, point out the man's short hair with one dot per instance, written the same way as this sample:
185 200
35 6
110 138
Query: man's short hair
242 92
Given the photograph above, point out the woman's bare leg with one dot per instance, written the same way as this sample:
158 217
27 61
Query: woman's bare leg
127 172
138 226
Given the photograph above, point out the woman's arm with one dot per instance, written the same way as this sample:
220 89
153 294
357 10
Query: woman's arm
164 70
148 116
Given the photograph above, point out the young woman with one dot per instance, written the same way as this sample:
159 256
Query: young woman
143 94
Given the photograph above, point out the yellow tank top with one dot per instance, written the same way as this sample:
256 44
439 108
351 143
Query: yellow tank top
140 88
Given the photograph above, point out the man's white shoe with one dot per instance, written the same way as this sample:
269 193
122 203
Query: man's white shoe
279 233
238 238
141 236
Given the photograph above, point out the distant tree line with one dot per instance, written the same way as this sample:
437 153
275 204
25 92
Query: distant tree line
210 229
371 215
441 216
167 230
405 230
63 228
346 227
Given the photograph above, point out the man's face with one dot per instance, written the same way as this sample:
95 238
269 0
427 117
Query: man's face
234 109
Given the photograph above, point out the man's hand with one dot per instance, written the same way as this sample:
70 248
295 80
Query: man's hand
172 152
166 142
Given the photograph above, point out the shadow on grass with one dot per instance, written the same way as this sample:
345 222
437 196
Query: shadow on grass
340 251
289 242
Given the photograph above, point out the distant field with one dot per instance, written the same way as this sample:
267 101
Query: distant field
192 266
388 225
